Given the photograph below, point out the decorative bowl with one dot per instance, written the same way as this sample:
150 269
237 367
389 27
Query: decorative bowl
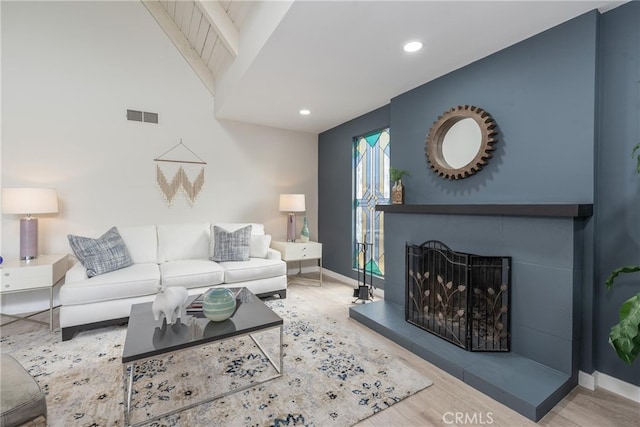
218 304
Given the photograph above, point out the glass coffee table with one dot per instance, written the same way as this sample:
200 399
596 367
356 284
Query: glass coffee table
170 368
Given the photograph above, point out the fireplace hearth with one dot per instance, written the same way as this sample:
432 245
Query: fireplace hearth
462 298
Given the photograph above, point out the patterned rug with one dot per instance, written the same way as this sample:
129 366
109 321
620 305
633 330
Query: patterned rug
332 376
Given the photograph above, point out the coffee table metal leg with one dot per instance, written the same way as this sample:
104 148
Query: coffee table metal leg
279 366
128 391
51 309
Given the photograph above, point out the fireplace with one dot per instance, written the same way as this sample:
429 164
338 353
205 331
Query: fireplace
462 298
549 283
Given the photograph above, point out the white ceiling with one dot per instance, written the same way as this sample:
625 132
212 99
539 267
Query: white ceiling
341 59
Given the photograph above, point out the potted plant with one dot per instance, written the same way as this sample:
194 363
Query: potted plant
397 191
625 335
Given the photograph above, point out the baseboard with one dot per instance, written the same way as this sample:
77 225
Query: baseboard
377 292
587 381
609 383
348 280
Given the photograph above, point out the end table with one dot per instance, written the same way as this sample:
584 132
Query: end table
299 251
43 272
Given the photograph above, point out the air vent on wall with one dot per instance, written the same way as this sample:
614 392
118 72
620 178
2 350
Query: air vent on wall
150 117
142 116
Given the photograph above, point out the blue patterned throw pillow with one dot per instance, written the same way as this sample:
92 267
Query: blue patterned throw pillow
231 246
102 255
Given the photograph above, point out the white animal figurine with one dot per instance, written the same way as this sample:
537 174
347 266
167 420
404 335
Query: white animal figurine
169 302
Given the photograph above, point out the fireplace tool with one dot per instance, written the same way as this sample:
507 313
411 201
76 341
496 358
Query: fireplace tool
364 291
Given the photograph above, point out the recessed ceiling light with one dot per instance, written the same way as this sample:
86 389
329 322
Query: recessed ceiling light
412 46
305 112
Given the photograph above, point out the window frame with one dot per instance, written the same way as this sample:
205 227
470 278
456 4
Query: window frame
381 190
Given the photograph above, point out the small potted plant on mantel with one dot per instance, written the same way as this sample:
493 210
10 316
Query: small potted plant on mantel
625 336
397 191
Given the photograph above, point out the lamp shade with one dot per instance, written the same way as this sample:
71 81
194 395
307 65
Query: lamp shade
29 200
292 203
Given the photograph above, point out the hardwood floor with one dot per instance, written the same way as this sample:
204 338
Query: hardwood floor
449 401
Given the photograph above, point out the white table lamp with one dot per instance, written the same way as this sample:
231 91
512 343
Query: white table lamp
29 201
292 203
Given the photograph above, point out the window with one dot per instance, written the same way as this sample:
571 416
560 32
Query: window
371 187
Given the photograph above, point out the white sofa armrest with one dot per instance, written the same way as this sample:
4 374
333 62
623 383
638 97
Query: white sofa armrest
77 273
273 254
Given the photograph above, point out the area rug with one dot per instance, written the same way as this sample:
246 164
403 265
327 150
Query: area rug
332 376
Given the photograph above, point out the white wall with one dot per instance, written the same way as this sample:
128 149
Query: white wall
70 70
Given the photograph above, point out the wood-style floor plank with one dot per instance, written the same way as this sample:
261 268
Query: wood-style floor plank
448 397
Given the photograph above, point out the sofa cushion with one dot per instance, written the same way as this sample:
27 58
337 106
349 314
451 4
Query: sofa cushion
191 273
183 241
259 246
255 268
133 281
141 241
231 245
102 255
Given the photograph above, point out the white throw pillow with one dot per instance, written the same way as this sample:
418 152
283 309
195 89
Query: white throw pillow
259 246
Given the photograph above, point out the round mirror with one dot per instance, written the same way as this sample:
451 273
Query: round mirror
460 142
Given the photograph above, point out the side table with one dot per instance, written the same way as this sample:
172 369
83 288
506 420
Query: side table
43 272
298 251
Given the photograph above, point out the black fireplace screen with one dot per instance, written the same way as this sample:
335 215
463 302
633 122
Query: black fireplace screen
462 298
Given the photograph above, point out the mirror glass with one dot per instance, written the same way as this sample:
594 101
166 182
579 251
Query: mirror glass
462 143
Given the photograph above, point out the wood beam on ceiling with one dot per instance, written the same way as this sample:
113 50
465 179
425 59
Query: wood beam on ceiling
181 42
217 17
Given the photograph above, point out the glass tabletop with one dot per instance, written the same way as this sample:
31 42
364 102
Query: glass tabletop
147 337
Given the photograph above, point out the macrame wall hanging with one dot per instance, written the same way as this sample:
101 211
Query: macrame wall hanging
187 163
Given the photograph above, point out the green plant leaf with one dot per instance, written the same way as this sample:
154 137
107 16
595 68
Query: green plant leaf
625 336
615 273
633 154
396 174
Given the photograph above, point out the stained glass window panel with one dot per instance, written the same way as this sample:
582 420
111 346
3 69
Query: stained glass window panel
371 187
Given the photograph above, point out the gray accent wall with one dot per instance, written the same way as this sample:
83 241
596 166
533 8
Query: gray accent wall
617 204
566 105
541 94
335 189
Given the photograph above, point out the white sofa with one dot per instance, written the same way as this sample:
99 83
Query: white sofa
166 255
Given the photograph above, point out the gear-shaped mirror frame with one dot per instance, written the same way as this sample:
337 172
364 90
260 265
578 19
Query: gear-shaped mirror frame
435 139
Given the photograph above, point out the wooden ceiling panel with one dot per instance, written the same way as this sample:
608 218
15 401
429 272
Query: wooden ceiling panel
180 41
187 13
179 12
194 25
201 37
219 60
171 8
205 31
209 43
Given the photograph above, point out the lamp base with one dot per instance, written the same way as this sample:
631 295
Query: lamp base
291 227
28 238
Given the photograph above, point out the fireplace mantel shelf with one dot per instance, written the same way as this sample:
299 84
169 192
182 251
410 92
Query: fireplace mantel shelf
531 210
